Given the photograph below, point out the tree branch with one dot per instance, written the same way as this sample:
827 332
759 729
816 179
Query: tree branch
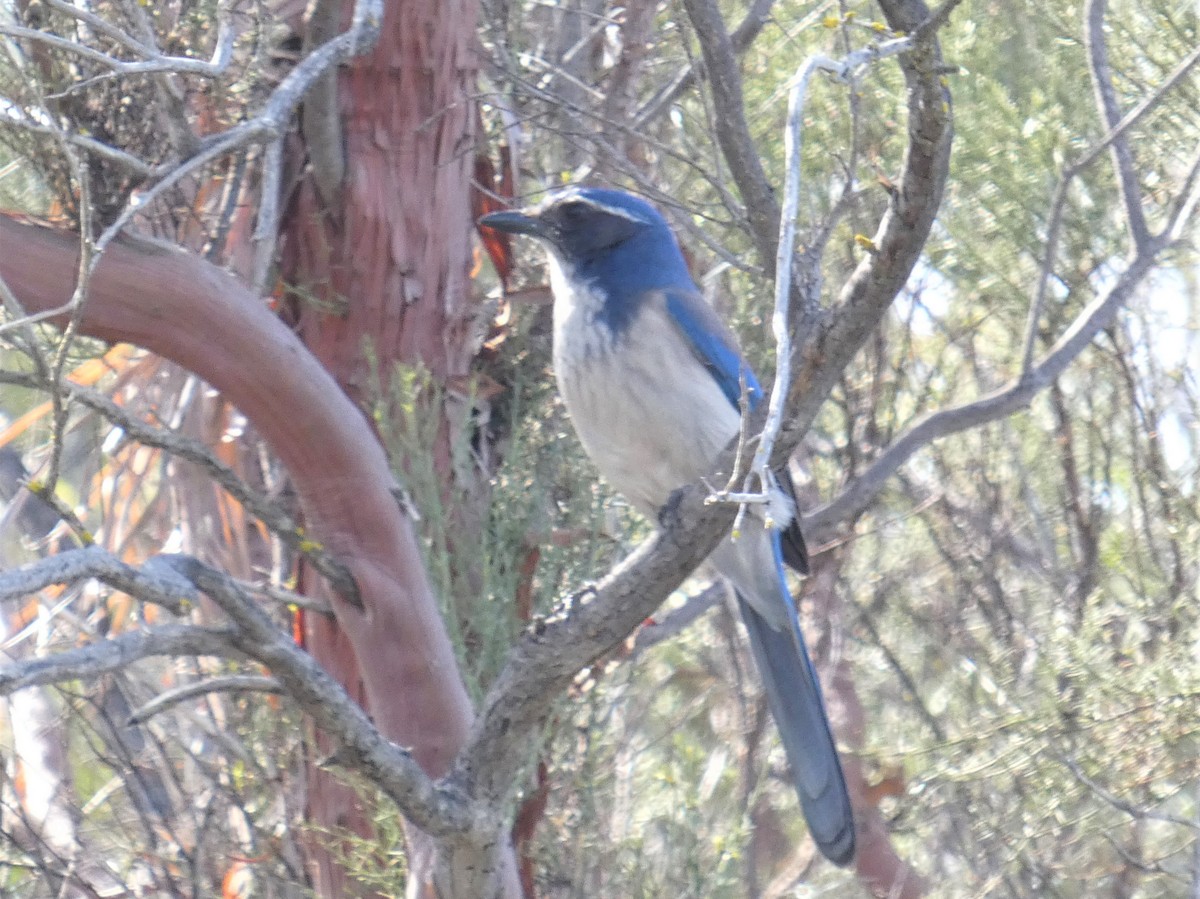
363 748
1110 111
152 582
740 40
809 270
1097 316
175 582
1032 377
151 62
116 654
830 340
1072 171
276 519
545 660
233 683
733 134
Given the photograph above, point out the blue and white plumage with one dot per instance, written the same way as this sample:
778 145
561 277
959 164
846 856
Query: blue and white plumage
653 382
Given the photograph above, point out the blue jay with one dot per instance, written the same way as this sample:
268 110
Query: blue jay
653 382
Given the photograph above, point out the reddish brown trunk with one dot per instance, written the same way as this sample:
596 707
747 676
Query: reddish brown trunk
393 258
386 269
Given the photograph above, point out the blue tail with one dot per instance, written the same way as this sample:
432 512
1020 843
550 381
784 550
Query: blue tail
794 697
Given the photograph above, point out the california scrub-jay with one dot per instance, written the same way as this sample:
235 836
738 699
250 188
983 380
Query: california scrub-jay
653 382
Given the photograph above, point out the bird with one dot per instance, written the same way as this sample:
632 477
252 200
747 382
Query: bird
653 382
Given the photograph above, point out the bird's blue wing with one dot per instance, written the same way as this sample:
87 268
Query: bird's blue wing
713 344
715 347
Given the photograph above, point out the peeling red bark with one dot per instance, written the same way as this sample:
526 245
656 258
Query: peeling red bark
395 254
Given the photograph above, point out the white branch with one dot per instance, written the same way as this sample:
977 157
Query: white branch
841 69
153 62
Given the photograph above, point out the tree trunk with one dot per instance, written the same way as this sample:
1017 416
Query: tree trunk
378 270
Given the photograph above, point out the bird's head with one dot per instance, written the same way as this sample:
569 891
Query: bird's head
604 236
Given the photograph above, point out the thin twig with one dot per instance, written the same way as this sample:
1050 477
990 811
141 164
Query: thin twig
733 132
1185 202
1121 805
87 250
741 40
232 683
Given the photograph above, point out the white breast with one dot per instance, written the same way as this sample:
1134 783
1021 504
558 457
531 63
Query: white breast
647 412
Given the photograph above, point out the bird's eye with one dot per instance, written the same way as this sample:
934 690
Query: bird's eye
572 212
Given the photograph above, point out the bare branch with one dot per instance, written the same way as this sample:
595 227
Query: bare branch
935 20
830 340
433 808
741 40
1143 108
151 64
1121 805
678 620
174 582
233 683
1032 377
1099 313
117 654
733 134
98 148
267 126
786 248
151 583
1185 202
1058 205
1072 171
266 230
1106 100
276 519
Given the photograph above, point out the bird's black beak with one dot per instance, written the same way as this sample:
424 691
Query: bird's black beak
516 222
